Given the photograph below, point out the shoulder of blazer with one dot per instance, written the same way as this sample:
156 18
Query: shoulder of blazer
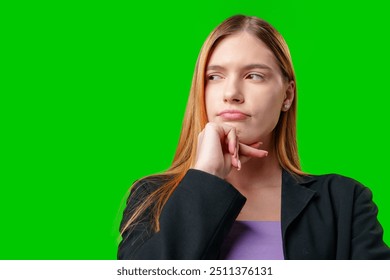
148 184
316 185
329 204
298 191
139 191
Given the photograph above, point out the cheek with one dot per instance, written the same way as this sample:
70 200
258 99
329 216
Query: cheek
267 102
275 110
268 109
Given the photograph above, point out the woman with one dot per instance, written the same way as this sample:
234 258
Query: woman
235 189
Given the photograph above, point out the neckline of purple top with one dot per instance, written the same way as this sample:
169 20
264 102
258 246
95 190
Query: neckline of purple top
253 240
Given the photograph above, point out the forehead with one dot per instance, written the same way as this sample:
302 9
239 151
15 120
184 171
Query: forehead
242 49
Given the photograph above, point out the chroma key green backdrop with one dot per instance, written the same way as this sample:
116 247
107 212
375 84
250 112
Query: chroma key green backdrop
92 96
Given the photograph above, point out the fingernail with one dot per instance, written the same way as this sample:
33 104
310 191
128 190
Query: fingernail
238 165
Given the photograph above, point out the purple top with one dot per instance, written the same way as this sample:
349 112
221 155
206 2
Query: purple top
253 240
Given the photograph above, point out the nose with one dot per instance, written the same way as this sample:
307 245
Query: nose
233 92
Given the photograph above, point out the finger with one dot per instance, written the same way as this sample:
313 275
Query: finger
229 134
232 140
237 156
237 149
249 151
256 145
235 162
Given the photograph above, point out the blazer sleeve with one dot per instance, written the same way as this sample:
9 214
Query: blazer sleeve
367 233
193 222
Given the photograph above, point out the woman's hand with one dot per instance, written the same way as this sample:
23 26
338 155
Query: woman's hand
219 150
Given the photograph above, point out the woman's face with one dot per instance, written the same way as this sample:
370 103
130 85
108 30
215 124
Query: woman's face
245 87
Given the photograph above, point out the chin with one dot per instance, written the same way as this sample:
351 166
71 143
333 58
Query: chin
249 140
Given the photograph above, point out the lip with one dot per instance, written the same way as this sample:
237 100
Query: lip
232 115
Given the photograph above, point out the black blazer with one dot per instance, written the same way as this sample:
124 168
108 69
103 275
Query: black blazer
323 217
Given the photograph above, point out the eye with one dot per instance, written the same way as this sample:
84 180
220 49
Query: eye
255 76
214 77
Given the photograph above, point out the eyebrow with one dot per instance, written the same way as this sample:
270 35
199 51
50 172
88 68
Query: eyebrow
246 67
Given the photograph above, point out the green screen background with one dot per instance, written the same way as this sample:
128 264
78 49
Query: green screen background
93 94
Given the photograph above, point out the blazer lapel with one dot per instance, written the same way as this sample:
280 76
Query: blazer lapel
295 197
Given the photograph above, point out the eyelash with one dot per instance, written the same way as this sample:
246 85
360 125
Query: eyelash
210 77
260 77
213 77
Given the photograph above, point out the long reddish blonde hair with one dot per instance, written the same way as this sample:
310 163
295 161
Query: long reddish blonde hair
195 117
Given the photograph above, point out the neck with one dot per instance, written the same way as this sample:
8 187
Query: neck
258 172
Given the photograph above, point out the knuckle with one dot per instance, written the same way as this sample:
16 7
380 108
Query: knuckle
210 125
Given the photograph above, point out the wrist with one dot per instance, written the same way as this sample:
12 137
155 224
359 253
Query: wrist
208 170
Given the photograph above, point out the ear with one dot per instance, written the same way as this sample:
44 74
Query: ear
289 96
